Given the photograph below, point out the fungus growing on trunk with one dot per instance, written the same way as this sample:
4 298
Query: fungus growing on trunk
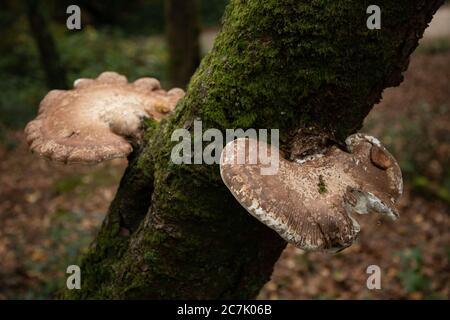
99 119
312 202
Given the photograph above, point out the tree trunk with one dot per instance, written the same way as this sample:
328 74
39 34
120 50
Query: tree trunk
182 28
175 231
50 60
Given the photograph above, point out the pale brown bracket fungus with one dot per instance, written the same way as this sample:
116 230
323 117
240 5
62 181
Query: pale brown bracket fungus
99 119
312 202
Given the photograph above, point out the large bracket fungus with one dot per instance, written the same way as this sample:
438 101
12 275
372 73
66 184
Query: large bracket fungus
99 119
312 202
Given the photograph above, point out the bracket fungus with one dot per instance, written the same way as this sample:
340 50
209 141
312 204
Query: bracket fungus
99 119
312 202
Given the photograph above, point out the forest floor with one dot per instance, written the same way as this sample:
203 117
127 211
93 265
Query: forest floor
50 213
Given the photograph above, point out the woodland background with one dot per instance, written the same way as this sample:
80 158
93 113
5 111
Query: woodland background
50 213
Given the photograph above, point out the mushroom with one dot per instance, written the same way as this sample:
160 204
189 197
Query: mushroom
99 119
311 202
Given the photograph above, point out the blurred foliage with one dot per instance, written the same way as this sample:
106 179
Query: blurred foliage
67 184
92 51
71 242
421 149
142 17
212 11
85 54
411 275
117 35
50 240
436 46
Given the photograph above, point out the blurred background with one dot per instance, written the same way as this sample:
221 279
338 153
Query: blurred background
50 213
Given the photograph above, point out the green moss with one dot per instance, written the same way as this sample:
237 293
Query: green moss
155 237
283 64
322 186
293 59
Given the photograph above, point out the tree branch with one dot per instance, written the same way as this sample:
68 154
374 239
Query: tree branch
281 64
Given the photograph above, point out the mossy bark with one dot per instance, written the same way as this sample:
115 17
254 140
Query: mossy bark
175 231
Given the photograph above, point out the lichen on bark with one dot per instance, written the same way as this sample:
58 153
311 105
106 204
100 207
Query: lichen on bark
282 64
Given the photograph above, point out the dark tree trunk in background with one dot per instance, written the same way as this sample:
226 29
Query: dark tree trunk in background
175 231
182 32
50 60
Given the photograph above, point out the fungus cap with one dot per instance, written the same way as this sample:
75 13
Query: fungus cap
312 202
98 119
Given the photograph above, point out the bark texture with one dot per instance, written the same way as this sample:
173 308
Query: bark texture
175 231
182 28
